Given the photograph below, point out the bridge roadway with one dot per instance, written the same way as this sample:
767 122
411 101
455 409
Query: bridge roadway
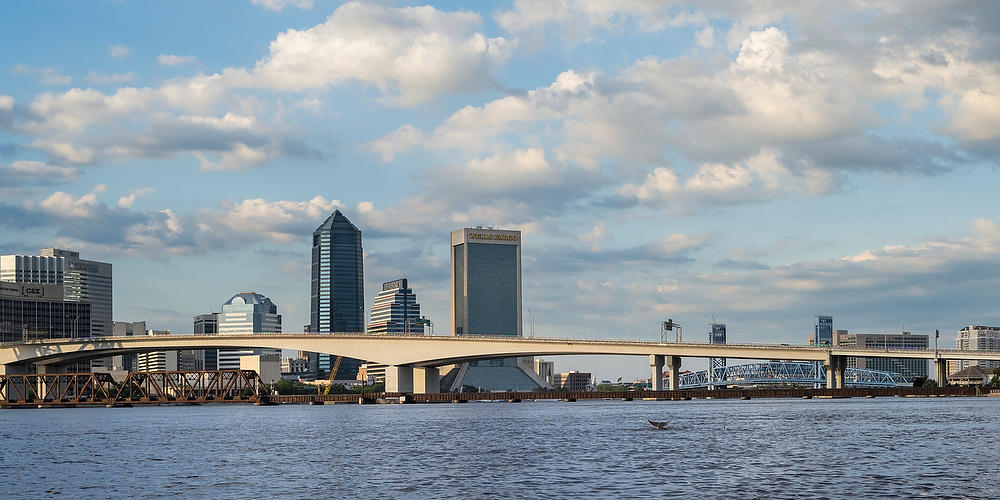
413 361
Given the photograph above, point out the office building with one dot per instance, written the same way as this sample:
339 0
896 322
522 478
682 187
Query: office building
82 280
572 381
545 370
822 331
187 359
127 362
267 366
909 368
38 311
158 361
975 338
486 300
396 311
337 290
294 365
208 324
246 313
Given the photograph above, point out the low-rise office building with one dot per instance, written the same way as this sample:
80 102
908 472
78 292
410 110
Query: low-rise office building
267 366
909 368
572 381
294 365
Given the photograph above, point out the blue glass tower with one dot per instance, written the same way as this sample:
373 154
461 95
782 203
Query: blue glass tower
337 290
824 331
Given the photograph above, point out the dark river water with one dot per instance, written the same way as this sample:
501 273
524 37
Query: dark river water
857 448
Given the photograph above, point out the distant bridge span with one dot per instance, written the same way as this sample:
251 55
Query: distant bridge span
406 353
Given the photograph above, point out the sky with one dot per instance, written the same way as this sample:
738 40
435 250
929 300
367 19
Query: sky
759 163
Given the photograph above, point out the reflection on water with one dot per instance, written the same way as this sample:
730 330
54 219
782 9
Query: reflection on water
865 448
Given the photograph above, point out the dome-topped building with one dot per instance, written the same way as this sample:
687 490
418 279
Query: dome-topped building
246 313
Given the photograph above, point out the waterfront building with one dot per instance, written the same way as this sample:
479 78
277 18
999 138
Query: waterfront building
39 311
973 375
127 362
572 381
337 290
545 370
187 359
977 337
295 365
370 373
246 313
909 368
82 280
486 300
208 324
395 310
158 361
267 366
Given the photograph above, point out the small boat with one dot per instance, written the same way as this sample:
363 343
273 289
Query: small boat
657 425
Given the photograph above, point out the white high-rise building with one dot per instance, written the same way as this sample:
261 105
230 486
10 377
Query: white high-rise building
246 313
395 310
974 338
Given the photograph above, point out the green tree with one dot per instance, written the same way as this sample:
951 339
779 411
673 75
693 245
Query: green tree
377 387
293 387
612 388
929 383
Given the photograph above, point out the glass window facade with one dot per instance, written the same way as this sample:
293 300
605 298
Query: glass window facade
337 292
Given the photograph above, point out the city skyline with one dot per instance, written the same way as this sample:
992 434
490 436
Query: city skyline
661 160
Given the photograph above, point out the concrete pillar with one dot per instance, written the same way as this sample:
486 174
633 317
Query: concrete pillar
674 363
656 363
831 373
941 372
426 380
42 386
841 367
399 379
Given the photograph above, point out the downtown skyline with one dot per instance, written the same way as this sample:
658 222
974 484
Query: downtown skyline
664 159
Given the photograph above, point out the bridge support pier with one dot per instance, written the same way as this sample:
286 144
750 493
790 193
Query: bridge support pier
427 380
941 372
674 363
656 363
399 379
835 368
841 369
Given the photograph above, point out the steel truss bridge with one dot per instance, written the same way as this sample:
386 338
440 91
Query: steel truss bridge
787 372
204 386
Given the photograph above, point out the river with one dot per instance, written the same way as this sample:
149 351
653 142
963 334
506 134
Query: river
761 448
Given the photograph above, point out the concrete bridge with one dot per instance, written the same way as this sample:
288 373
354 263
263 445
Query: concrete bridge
414 361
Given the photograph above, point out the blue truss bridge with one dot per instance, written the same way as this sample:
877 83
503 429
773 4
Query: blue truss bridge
787 372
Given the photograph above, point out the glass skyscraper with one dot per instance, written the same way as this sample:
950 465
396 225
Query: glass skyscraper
823 334
337 289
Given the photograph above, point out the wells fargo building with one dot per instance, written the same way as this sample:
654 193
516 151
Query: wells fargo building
486 300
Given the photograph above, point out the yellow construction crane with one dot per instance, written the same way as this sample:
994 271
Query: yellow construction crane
333 374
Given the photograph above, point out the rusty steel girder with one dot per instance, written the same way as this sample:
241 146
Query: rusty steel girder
200 386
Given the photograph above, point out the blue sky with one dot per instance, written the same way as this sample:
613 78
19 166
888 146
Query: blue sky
762 164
